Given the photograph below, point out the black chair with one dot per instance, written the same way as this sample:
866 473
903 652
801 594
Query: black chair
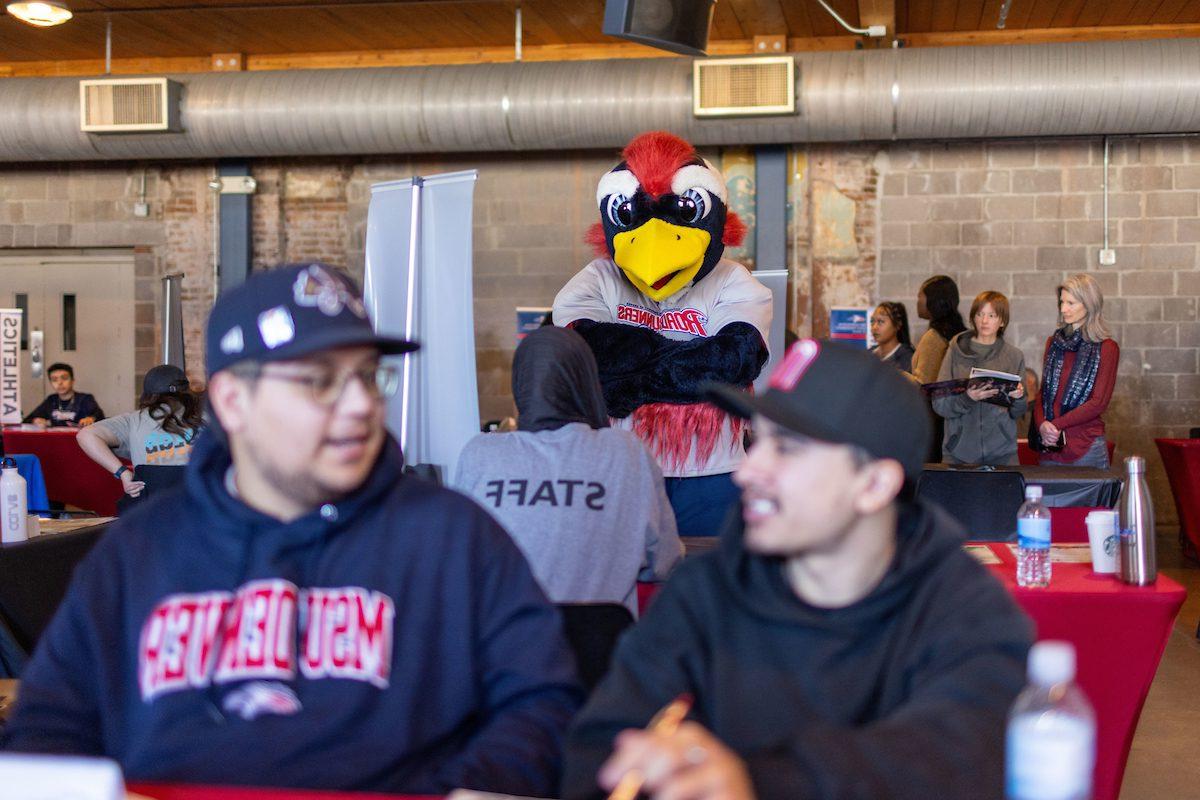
157 477
429 472
34 576
985 501
592 631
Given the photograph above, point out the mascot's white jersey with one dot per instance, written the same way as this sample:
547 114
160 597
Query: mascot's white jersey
727 294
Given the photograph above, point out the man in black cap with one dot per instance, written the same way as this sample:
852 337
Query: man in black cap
300 613
840 643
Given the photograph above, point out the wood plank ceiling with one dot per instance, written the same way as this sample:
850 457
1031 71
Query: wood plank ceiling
272 34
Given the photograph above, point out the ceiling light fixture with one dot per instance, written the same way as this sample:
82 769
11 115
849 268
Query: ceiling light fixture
44 14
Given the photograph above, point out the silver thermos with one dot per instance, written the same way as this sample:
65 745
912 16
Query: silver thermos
1138 564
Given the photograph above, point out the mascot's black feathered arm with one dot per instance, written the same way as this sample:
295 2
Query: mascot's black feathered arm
641 366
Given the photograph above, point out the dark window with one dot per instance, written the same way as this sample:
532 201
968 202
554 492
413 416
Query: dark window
23 304
68 322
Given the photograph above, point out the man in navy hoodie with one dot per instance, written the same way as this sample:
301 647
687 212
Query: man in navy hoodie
300 613
840 643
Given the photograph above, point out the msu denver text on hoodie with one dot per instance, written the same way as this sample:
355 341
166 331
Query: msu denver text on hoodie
395 641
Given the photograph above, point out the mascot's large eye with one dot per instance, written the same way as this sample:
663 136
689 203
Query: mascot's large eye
620 210
694 205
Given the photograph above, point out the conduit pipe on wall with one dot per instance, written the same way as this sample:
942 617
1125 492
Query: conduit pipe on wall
933 93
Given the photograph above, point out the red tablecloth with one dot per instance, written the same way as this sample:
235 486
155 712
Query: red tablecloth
1119 633
160 791
71 477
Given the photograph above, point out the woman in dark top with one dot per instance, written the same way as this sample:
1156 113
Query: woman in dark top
937 301
1078 373
889 328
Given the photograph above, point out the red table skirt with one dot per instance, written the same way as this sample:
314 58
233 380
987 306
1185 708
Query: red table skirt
71 477
163 791
1119 632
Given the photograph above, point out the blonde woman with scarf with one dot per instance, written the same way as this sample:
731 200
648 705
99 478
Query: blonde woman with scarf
1078 373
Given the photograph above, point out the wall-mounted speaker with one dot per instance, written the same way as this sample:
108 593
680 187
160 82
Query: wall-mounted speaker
680 26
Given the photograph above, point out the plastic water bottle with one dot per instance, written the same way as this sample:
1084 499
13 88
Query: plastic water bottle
1033 540
14 503
1051 745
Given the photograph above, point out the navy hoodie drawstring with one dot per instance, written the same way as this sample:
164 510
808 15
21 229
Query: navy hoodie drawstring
212 693
214 697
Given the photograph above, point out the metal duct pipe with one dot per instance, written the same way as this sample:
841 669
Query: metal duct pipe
937 93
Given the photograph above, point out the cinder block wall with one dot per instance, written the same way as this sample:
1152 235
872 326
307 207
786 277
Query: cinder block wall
866 222
1018 217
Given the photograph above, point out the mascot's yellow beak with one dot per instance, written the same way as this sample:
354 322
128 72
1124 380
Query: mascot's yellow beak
660 258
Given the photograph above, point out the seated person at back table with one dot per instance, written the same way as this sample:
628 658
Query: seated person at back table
300 613
840 643
159 433
66 407
584 501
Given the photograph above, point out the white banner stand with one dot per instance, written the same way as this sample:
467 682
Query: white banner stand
418 285
776 281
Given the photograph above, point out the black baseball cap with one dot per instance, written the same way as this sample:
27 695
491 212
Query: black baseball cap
165 379
290 312
844 395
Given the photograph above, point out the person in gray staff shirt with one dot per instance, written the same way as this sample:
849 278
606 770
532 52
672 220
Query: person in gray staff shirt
583 501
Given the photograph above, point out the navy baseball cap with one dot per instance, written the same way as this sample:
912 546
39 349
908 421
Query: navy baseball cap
844 395
291 312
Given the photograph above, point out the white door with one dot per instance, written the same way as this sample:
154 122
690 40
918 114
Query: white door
83 307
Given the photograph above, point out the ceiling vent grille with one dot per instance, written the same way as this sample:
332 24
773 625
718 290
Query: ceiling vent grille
736 87
129 104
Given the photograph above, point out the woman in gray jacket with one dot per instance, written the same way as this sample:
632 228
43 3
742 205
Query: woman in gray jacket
978 429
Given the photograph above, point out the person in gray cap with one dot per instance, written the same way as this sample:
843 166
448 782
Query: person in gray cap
301 613
159 433
840 643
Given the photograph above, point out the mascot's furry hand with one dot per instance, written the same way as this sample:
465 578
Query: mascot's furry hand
643 366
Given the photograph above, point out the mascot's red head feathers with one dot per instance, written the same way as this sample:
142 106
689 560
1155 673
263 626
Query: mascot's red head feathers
662 183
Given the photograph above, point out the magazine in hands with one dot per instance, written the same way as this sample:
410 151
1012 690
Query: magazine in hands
1004 382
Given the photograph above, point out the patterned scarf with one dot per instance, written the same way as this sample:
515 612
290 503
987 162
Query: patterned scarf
1083 372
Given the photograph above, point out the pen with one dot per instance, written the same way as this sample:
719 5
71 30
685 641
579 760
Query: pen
665 721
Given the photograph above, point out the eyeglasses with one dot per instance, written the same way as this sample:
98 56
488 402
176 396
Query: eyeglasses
326 388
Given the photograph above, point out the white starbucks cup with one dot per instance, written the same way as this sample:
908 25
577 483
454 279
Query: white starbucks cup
1102 536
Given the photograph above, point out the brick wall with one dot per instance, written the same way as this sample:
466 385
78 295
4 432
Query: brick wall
70 207
865 223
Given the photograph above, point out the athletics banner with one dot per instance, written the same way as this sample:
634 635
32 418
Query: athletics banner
10 366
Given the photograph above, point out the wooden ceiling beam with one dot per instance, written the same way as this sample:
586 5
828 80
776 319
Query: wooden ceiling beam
878 12
1050 35
575 52
402 58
